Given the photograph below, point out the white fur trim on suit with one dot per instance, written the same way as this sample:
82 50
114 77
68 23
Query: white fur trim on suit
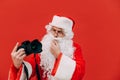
65 69
29 67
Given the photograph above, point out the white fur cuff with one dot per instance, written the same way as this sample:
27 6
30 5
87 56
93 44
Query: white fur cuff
29 67
65 69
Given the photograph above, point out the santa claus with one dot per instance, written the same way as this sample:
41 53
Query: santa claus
61 58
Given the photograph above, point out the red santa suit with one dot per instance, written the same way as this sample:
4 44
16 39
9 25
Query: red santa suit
65 68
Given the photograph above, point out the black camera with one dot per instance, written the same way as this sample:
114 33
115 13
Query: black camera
31 47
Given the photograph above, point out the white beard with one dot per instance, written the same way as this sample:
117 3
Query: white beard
47 59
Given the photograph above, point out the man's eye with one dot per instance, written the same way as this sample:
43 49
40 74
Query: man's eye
54 30
59 31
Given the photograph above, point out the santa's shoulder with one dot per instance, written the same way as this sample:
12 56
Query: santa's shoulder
77 45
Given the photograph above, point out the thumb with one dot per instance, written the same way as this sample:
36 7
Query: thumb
15 48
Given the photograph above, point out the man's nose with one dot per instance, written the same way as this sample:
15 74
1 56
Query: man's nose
56 34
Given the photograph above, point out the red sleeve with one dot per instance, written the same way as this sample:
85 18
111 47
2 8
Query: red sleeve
79 67
56 64
80 64
14 74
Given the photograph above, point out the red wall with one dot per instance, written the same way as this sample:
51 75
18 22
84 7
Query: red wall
97 30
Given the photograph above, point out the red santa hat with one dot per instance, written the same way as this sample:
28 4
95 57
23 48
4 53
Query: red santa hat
64 23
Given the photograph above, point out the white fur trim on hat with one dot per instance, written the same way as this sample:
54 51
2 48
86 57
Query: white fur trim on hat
64 23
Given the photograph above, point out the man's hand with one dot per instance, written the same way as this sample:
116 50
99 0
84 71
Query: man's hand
17 56
55 48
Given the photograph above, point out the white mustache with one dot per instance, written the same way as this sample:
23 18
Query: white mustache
54 38
59 39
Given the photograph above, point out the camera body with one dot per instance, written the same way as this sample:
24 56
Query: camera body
31 47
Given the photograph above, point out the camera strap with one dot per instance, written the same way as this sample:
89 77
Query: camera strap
37 68
25 70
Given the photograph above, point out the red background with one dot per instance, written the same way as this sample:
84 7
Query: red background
97 30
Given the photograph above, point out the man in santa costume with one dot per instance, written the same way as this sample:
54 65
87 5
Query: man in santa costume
61 58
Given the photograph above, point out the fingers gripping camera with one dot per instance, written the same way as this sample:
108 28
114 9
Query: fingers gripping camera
31 47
